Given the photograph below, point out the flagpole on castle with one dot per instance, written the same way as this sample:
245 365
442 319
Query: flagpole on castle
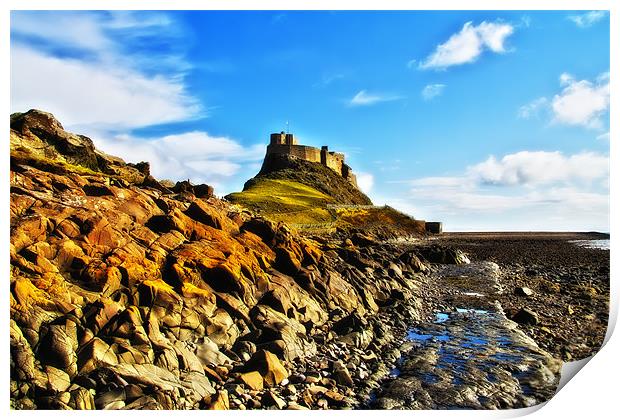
287 127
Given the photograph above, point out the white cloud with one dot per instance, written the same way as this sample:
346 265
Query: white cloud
69 29
363 98
90 94
108 81
365 181
540 168
431 91
528 190
588 19
468 44
581 102
411 63
194 155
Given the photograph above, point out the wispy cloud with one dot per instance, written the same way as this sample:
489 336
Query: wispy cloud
195 155
588 19
468 44
431 91
604 136
580 102
533 109
363 98
97 69
88 94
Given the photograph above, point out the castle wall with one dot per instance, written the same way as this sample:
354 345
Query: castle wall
286 144
309 153
334 161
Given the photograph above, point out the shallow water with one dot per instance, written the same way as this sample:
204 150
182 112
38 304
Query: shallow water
467 357
593 243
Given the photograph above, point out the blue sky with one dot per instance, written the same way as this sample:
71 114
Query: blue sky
485 120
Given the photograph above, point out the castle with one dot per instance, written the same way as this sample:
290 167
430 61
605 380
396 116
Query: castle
287 145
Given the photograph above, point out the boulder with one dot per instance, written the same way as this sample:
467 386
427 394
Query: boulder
272 400
341 374
526 316
220 402
203 213
269 366
94 354
253 380
58 348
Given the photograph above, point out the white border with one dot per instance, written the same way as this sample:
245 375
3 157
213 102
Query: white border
592 393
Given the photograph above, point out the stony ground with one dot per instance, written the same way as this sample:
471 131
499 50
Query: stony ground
569 285
470 355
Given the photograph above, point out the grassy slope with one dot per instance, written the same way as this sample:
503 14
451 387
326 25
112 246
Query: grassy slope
298 192
285 200
379 220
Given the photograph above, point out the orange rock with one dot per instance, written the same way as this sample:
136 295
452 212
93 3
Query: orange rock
252 380
269 366
220 402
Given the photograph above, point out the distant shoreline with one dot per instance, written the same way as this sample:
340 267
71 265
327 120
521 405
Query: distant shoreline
526 235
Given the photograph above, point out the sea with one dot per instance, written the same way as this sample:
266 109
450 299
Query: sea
593 243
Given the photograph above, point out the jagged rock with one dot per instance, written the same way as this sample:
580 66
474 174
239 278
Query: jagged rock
144 403
272 400
341 374
442 255
58 347
95 354
57 380
269 366
41 131
133 392
202 213
109 397
197 384
253 380
82 399
220 402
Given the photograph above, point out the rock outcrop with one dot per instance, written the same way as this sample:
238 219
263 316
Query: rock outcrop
126 293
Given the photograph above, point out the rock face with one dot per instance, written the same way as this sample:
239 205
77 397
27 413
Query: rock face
127 294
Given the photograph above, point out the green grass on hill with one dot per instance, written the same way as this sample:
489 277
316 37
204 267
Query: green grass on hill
286 201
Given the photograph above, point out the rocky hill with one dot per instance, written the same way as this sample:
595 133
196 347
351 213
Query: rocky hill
126 293
311 196
312 174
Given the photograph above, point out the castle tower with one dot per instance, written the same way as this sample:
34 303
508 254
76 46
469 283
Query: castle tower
283 138
277 138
